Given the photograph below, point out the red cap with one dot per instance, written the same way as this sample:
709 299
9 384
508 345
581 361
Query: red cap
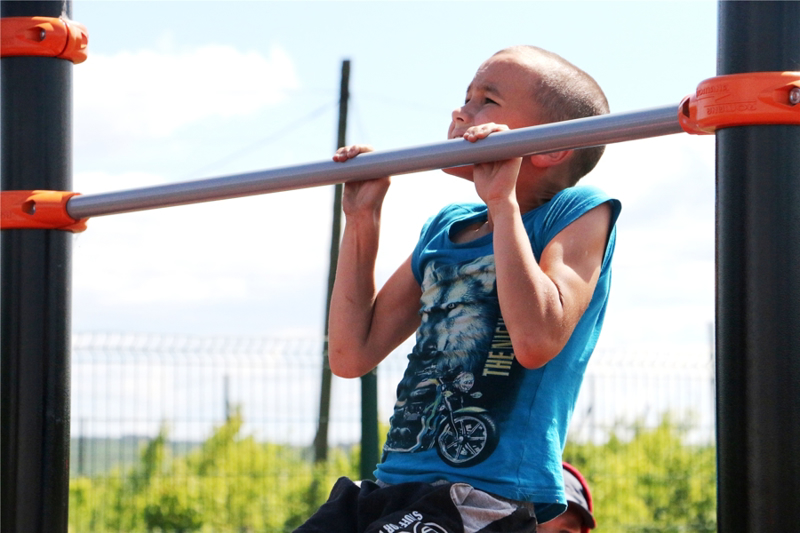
578 496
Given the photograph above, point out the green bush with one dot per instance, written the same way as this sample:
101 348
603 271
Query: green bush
652 481
230 483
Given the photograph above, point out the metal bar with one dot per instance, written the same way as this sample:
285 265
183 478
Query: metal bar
581 133
35 310
758 288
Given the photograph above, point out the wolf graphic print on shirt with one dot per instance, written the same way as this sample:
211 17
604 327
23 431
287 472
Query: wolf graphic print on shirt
462 376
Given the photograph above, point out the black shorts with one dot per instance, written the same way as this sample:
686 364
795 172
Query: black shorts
416 508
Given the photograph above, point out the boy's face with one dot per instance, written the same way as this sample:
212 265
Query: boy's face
501 92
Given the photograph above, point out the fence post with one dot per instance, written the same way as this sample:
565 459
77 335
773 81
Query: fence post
369 424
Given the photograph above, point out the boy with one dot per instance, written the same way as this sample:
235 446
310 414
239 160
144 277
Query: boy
507 299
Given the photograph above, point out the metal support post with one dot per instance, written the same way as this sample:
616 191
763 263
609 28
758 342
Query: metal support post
35 310
758 286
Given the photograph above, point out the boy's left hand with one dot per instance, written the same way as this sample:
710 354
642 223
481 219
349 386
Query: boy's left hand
496 180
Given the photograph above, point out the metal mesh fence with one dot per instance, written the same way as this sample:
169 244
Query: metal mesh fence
127 389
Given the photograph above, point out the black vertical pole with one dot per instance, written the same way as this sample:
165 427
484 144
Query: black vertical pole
758 286
321 438
369 424
35 311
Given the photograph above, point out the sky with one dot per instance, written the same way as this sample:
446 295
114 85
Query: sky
177 90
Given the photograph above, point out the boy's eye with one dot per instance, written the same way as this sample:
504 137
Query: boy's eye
485 101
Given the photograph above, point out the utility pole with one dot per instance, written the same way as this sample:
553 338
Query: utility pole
321 438
36 96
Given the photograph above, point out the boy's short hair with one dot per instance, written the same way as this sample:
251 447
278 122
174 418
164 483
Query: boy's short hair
565 92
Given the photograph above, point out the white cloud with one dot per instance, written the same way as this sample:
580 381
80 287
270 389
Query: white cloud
663 288
98 182
223 250
151 94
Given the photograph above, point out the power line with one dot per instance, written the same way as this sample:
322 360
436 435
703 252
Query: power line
264 141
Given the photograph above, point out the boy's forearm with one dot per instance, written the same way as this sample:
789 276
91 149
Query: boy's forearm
354 290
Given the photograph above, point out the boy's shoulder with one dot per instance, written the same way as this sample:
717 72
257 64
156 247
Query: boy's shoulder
462 209
581 192
580 197
564 208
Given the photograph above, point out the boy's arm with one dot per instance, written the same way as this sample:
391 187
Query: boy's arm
542 302
365 325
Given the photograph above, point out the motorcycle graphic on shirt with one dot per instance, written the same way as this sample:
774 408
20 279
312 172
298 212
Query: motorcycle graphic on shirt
463 435
446 396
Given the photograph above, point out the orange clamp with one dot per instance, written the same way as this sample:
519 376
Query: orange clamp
749 99
38 210
43 36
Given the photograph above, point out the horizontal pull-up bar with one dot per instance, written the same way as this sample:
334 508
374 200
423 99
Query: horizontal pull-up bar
581 133
755 98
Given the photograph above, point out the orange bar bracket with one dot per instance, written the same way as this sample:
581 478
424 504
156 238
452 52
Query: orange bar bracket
754 98
38 210
43 36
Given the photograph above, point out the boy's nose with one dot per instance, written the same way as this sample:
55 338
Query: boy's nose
460 114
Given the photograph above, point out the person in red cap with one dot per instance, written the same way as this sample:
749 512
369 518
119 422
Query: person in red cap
578 517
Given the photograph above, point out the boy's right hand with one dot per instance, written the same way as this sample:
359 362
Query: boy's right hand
361 196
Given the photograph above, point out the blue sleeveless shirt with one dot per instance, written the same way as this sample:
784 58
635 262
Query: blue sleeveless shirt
466 410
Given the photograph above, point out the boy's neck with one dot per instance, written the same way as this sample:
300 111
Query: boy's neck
529 197
473 231
535 192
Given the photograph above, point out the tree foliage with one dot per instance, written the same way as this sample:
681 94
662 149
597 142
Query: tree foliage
231 483
649 481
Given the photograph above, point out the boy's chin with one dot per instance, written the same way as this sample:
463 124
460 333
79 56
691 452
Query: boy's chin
464 172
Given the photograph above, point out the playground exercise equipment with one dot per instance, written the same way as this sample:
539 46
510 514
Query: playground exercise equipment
720 102
44 37
757 246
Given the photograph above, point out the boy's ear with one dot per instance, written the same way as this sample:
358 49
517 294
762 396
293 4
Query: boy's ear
550 159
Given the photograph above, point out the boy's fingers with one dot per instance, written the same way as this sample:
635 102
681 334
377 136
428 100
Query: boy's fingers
482 131
346 152
341 154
